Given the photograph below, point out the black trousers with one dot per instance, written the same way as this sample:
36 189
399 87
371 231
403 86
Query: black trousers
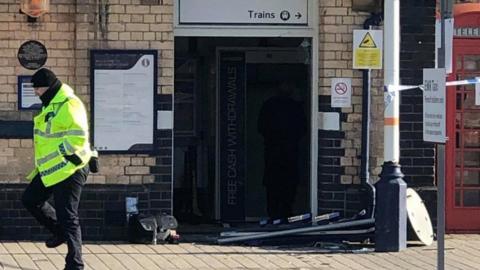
63 219
280 199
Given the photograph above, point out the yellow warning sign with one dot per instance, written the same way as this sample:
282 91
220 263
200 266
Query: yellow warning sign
368 42
367 49
368 58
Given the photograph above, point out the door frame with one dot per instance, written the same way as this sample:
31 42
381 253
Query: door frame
311 31
313 124
452 212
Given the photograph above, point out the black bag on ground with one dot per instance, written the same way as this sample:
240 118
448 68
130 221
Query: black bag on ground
143 229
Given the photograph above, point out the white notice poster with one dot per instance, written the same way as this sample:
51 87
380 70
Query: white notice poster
341 90
123 99
434 105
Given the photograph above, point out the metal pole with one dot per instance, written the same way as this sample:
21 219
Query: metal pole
339 232
441 207
297 230
391 215
391 138
446 7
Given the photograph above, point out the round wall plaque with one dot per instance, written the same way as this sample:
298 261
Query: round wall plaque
32 54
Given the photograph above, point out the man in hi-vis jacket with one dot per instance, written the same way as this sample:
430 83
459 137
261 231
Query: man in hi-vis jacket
62 153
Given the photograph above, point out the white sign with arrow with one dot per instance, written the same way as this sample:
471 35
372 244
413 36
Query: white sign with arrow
234 12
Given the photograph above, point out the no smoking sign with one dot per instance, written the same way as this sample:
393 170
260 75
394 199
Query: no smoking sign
341 92
341 88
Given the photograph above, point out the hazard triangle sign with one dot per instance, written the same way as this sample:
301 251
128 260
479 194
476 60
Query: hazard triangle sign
368 42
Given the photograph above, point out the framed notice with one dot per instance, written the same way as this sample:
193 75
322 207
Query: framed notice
27 100
123 84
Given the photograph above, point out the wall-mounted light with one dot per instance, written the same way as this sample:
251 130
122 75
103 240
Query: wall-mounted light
34 8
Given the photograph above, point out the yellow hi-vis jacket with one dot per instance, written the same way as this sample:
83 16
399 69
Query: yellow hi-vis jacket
61 129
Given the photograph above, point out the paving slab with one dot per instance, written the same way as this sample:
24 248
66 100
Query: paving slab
7 262
462 253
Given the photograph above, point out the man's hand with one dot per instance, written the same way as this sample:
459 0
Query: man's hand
74 159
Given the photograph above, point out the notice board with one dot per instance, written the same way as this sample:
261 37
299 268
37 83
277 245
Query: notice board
123 86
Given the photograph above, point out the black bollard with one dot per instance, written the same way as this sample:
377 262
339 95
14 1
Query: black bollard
391 210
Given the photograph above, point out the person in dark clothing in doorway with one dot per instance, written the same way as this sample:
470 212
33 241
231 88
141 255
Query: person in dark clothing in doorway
62 153
282 123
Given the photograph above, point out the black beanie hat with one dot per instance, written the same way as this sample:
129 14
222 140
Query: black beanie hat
43 78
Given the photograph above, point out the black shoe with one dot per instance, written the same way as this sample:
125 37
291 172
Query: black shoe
54 241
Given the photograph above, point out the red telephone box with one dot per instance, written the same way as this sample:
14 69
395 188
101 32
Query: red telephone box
463 125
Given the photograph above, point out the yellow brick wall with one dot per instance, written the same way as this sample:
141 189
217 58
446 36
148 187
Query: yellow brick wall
337 22
71 28
68 31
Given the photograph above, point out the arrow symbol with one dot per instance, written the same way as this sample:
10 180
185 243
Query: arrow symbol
299 15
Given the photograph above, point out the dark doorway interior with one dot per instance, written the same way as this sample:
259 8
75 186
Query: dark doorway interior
197 187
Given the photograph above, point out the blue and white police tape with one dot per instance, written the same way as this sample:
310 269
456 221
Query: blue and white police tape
395 88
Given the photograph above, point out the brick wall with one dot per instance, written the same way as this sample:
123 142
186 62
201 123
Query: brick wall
73 27
339 151
102 212
69 31
417 52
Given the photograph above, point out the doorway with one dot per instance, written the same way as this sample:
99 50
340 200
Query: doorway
220 87
249 78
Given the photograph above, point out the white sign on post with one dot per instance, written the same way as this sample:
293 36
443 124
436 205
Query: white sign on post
341 92
449 32
263 12
434 105
477 93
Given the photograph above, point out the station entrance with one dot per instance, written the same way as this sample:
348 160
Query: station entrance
241 128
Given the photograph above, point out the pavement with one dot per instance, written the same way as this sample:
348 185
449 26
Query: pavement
462 252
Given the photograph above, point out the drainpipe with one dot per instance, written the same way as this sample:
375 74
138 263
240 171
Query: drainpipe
367 188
